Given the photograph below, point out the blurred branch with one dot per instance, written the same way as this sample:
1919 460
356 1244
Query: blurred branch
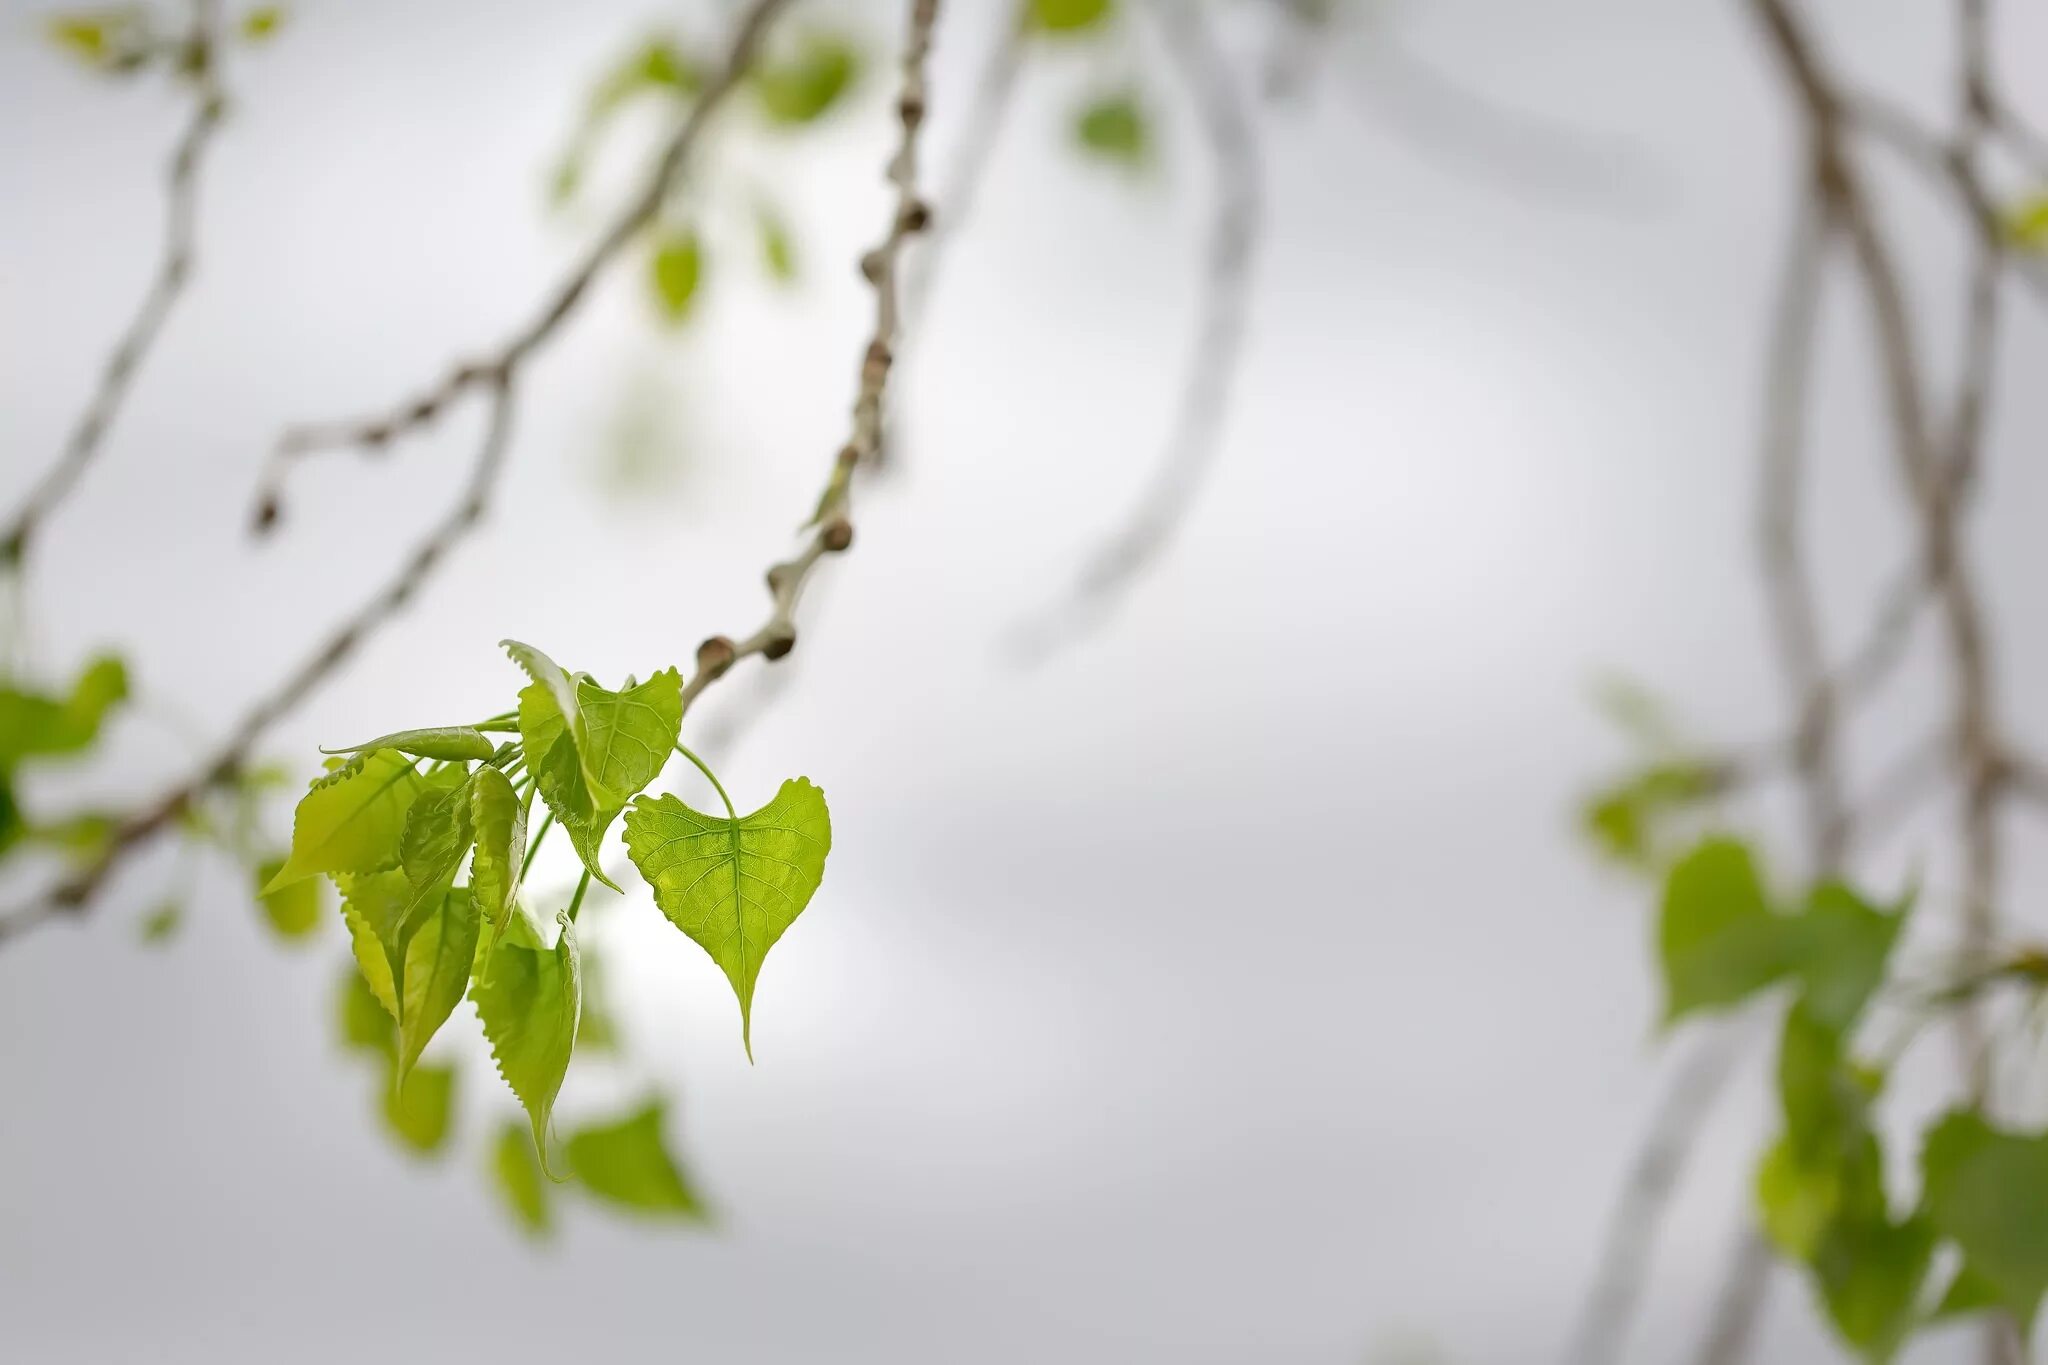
497 381
1516 148
1196 437
201 59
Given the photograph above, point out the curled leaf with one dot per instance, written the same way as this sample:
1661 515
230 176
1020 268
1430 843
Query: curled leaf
529 998
449 743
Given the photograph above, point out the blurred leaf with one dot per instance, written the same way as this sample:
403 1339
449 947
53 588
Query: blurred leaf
1969 1292
262 23
734 886
1115 128
1067 16
778 253
449 743
675 269
437 969
1987 1191
109 38
626 1163
1843 945
293 910
598 1031
1626 821
82 838
161 925
1869 1275
418 1109
658 64
363 1021
35 725
518 1179
805 86
1718 940
2026 223
529 998
352 819
499 817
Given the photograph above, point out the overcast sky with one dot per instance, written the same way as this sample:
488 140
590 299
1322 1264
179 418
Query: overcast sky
1230 989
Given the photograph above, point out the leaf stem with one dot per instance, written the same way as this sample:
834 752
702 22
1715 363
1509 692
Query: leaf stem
576 901
534 847
718 786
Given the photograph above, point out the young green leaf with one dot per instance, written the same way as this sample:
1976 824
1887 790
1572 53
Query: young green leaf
438 833
803 88
518 1178
1843 944
261 24
674 270
627 738
417 1109
733 885
438 961
778 252
293 910
162 924
1067 16
555 680
628 1164
449 743
352 818
2026 223
529 998
364 1023
499 818
1718 939
1987 1191
373 907
1115 128
33 725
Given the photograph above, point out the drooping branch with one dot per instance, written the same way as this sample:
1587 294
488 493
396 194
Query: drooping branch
832 524
496 380
1195 439
176 262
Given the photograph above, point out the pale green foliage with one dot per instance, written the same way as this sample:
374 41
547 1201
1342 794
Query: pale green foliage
293 910
590 764
450 743
261 24
1115 128
1068 16
518 1178
528 997
778 251
675 267
1718 939
734 885
352 818
438 961
419 1108
2026 223
498 817
807 83
1988 1191
627 1163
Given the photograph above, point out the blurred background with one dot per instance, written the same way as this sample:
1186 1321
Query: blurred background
1230 984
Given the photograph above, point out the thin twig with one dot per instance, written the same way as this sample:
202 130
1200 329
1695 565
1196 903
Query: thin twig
496 380
1196 437
175 265
832 522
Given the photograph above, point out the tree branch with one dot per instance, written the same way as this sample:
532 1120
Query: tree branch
175 265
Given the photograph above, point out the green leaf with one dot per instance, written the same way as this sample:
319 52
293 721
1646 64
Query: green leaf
1969 1292
598 1031
364 1022
438 833
1626 821
352 819
1067 16
1869 1276
529 998
734 886
1987 1191
1843 945
628 737
2026 223
805 86
626 1163
519 1181
417 1109
552 677
778 252
261 23
656 65
373 907
33 725
449 743
674 269
1115 128
293 910
1718 940
499 819
437 970
161 925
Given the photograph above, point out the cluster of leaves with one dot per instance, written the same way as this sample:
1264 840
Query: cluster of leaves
805 77
395 824
1821 1185
121 40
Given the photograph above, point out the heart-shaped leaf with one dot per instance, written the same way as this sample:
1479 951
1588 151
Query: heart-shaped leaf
734 885
627 1163
1718 938
1988 1191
